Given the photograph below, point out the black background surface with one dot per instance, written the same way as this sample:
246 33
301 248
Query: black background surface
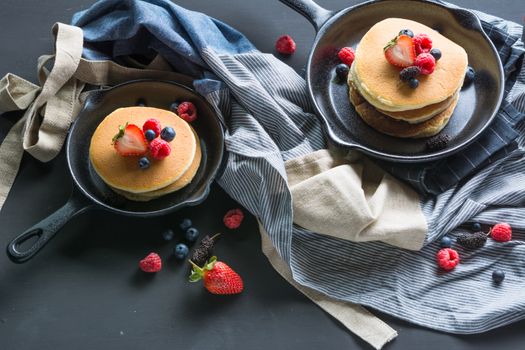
84 291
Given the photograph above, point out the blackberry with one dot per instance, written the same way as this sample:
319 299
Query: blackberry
406 32
438 142
203 252
472 240
409 72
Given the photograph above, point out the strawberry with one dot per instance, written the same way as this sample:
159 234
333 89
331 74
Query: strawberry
400 51
130 141
218 277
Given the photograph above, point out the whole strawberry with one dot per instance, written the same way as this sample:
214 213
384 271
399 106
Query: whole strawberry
218 277
501 232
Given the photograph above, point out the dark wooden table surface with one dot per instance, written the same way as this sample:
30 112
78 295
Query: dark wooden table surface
84 290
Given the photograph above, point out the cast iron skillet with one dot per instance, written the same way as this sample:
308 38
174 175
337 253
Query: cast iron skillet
90 191
477 104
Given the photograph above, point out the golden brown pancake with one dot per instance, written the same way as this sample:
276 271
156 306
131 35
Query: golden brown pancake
183 181
378 81
419 115
123 173
398 128
416 116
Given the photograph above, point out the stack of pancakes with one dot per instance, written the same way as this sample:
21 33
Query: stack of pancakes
389 105
164 176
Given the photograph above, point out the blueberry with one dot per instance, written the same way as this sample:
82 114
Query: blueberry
406 32
174 106
445 242
168 235
470 75
191 234
144 163
167 134
150 135
342 71
141 102
181 251
476 227
498 276
436 53
185 224
413 83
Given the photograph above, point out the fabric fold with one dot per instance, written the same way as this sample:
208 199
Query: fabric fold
354 200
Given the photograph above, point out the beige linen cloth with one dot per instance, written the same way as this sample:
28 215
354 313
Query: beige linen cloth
334 194
345 195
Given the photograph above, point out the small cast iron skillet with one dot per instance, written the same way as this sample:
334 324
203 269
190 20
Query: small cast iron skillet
90 191
477 104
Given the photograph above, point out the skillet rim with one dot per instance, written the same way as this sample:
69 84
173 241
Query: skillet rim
420 158
190 202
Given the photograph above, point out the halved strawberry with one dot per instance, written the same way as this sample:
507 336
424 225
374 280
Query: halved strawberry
400 51
130 141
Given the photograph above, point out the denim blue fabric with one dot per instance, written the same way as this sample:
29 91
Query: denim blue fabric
114 28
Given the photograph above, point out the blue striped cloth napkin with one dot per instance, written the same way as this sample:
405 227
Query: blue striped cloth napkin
270 120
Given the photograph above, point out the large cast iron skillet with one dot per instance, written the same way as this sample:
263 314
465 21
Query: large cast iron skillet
477 105
90 191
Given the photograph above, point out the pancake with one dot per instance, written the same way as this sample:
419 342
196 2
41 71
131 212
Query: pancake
398 128
378 81
182 182
419 115
123 173
416 116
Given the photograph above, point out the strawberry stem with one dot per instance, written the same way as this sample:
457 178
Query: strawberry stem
121 131
197 273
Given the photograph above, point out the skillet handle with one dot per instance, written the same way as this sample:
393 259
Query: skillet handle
46 229
316 14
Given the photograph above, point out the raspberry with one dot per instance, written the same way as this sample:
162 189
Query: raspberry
501 232
346 55
447 258
438 142
426 62
159 149
151 263
187 111
152 124
285 45
409 72
423 43
233 218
